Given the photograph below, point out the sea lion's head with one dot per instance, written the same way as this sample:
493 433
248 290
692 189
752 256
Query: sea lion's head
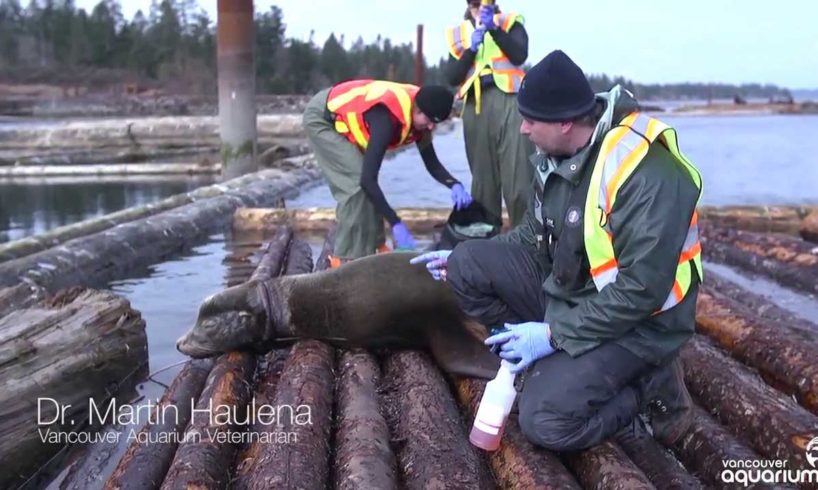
233 319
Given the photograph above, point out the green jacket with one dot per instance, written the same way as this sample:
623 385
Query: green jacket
649 222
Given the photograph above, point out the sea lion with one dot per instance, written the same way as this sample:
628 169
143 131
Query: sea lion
377 301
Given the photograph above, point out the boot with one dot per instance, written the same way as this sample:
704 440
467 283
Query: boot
667 403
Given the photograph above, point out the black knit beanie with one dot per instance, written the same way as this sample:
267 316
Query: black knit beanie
555 90
435 101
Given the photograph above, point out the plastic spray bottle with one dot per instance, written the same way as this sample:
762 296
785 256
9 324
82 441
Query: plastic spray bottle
492 414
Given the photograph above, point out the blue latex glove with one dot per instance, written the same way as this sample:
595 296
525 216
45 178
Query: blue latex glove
403 239
487 17
435 263
526 342
460 198
477 38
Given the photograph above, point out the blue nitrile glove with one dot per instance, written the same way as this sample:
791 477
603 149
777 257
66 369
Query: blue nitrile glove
487 17
477 38
435 263
460 198
403 239
527 342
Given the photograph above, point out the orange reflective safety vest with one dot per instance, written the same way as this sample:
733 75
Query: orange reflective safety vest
490 59
622 150
348 101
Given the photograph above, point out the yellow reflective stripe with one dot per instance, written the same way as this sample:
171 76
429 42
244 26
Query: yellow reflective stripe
340 100
357 132
624 169
341 127
406 107
455 46
610 145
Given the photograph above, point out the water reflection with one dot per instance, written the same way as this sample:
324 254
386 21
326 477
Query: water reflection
35 205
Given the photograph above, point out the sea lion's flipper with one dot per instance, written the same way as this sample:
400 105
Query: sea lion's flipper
458 351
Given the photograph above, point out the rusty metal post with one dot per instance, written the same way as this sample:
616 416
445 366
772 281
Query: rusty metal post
237 87
419 64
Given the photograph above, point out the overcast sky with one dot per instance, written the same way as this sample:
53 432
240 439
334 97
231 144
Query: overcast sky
733 41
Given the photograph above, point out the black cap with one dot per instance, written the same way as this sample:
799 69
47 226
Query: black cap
555 90
435 101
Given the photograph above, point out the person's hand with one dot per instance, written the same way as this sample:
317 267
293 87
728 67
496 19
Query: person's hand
487 17
436 263
477 38
402 236
526 342
460 198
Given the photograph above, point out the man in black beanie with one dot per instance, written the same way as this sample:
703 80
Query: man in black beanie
350 126
597 287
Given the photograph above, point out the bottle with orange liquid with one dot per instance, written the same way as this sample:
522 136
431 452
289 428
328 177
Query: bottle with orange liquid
492 414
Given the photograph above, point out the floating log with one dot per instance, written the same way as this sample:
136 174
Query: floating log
790 261
763 219
111 253
154 168
363 458
209 444
658 464
774 425
297 453
707 445
785 357
146 462
809 227
71 348
427 430
517 464
606 467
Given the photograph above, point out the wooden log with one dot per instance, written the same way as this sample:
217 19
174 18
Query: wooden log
20 296
658 464
809 227
790 261
427 430
208 447
29 245
773 424
517 464
77 346
762 219
148 458
363 458
606 466
153 168
787 358
110 254
707 445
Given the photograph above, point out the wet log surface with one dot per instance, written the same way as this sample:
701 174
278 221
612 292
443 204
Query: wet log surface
762 219
809 227
73 347
658 464
606 466
428 432
517 464
363 457
110 254
773 424
790 261
787 358
707 445
145 464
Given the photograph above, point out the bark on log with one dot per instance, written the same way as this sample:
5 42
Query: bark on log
363 458
773 424
145 465
707 445
27 246
110 254
809 227
785 357
303 403
20 296
517 464
658 464
153 168
203 459
790 261
606 467
73 347
762 219
427 429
